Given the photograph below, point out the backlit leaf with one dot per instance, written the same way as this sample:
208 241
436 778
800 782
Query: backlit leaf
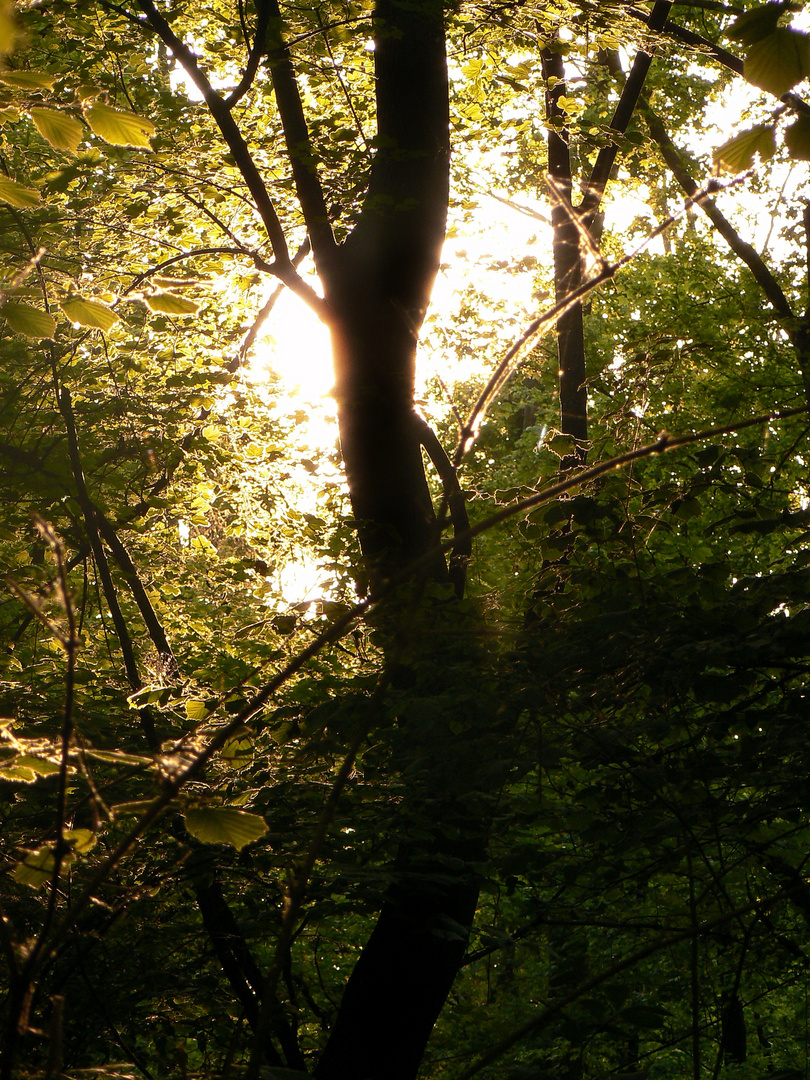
8 27
754 25
27 80
196 710
17 194
222 825
118 127
62 131
36 868
778 61
89 313
30 321
80 840
169 303
738 153
41 766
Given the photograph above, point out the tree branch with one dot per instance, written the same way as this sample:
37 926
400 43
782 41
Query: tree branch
230 132
631 92
110 595
256 52
296 135
454 499
797 330
688 37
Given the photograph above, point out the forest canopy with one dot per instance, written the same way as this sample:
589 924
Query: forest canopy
453 723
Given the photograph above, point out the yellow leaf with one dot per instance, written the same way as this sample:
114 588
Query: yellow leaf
62 131
17 194
89 313
119 127
30 321
27 80
169 303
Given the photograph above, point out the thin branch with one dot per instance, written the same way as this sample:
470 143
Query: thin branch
770 286
453 500
631 92
297 891
102 566
256 52
688 37
774 293
70 643
196 253
240 359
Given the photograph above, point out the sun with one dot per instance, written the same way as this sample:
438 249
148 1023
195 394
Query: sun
294 346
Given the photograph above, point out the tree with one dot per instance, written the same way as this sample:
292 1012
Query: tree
608 722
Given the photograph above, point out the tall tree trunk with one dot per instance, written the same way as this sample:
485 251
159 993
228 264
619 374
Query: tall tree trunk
377 287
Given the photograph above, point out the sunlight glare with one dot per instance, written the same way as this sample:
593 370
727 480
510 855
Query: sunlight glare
294 346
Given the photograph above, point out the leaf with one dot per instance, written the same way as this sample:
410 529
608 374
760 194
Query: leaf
89 313
754 25
797 139
35 869
62 131
222 825
169 303
779 61
197 710
738 153
118 127
8 28
27 80
9 115
30 321
40 766
17 195
80 840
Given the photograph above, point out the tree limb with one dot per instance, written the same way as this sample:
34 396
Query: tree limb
296 135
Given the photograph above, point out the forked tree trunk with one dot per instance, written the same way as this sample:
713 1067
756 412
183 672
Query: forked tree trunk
377 286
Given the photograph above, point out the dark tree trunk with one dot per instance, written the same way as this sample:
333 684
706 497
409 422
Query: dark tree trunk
567 263
377 287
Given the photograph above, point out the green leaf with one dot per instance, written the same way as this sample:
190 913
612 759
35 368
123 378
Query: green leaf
738 153
30 321
754 25
9 115
118 127
80 840
169 303
221 825
62 131
89 313
797 139
197 710
37 867
17 195
27 80
41 766
778 61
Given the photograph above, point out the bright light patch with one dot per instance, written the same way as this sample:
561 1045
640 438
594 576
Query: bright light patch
294 346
